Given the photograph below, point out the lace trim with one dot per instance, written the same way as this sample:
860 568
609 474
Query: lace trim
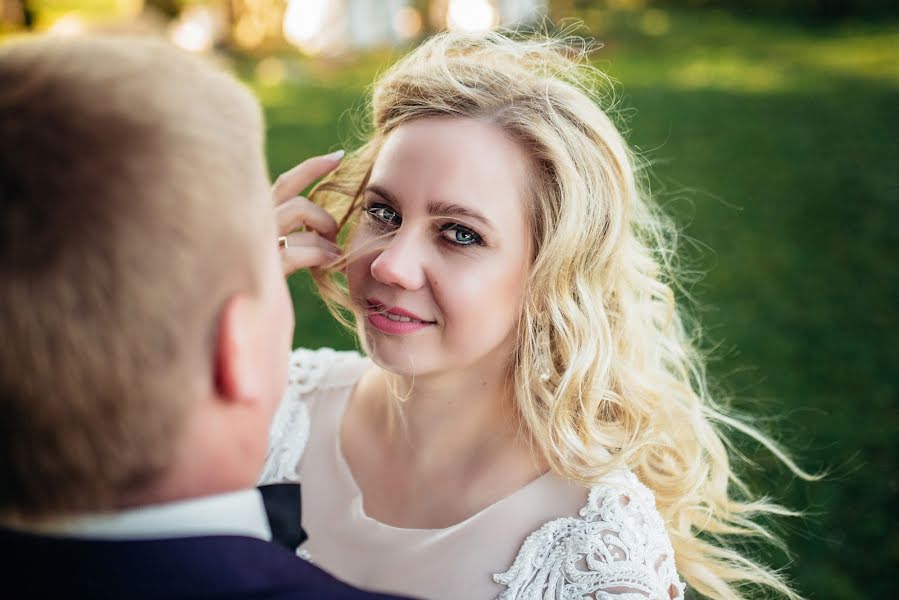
291 425
288 437
618 549
307 372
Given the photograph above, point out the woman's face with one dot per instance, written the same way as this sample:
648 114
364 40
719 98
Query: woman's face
442 293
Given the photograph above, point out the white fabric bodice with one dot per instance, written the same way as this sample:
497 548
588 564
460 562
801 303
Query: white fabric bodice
549 540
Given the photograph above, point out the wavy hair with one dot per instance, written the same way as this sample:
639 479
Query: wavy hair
607 370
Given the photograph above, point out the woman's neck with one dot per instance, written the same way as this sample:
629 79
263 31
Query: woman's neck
433 451
458 421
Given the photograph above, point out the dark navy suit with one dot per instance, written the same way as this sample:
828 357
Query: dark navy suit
207 568
211 567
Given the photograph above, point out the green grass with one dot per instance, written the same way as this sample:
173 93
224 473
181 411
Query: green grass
775 145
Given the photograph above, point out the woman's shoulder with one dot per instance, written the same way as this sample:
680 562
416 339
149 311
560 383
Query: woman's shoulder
616 547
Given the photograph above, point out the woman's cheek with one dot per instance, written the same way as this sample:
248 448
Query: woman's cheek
352 275
358 270
474 307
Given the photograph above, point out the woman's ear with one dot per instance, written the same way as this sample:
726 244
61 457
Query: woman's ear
236 374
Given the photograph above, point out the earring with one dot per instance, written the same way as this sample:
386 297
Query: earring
545 359
543 376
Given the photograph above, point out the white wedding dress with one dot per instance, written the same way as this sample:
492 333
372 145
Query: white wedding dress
550 540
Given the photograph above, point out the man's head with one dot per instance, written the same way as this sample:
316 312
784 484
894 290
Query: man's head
144 320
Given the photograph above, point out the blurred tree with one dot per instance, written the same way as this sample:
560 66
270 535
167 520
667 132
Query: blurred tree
434 16
252 23
16 13
560 9
427 11
169 8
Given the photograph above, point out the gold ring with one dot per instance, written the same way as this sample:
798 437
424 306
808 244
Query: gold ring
282 242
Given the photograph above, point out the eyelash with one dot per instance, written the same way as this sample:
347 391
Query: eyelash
372 209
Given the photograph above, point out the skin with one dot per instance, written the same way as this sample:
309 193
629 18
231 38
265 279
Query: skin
449 194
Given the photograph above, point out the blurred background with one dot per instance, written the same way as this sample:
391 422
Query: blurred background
773 127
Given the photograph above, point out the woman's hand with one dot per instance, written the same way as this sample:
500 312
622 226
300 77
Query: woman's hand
309 231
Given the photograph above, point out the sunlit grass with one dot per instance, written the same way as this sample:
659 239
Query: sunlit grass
714 50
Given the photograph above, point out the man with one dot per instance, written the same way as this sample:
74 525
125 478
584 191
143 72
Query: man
146 327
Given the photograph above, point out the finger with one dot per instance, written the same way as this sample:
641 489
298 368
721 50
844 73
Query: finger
299 212
310 238
294 181
305 257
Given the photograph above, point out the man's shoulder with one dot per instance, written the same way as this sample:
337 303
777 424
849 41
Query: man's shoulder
188 567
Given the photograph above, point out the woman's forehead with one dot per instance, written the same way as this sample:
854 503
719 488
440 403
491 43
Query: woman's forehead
460 162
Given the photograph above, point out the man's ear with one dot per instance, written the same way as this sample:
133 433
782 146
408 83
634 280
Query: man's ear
237 378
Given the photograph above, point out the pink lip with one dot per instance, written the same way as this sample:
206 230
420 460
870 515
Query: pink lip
380 322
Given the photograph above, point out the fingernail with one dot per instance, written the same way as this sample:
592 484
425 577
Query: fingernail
337 155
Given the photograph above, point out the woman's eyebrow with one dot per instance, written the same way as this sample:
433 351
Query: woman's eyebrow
435 209
448 209
374 188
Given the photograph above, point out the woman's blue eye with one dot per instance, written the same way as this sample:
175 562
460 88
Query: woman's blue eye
460 235
383 213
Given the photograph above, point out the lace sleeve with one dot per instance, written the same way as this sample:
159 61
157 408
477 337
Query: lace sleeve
617 548
290 427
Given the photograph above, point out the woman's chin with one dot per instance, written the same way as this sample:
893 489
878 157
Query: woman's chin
399 356
399 361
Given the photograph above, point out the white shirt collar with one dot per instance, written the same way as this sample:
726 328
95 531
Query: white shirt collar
236 513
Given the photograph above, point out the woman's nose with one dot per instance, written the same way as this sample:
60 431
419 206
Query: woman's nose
400 264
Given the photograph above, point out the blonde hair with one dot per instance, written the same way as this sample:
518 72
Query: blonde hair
134 191
600 317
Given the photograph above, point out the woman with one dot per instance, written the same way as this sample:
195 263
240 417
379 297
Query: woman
531 420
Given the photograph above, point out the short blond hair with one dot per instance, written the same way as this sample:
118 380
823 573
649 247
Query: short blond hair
605 361
131 177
